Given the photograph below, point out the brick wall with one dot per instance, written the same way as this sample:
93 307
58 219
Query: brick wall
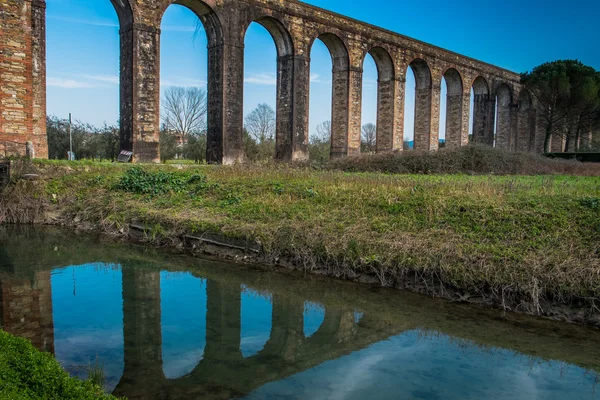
22 77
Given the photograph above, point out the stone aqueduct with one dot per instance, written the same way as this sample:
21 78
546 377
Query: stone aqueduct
294 27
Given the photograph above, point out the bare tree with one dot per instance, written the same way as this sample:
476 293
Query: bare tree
369 137
184 110
323 133
260 123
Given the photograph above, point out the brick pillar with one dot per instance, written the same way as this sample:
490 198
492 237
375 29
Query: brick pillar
454 119
465 118
355 110
434 137
398 139
386 115
514 125
38 69
284 108
23 77
481 121
301 108
339 112
526 131
215 105
427 117
233 105
140 91
490 135
503 125
293 85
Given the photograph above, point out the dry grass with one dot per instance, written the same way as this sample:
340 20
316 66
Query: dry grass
520 242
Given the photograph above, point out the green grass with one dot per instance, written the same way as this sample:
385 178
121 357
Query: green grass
26 373
517 241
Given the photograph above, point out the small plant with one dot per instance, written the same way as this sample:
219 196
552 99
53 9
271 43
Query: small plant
278 188
230 200
591 202
96 372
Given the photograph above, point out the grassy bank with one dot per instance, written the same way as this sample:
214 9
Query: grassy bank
525 243
26 373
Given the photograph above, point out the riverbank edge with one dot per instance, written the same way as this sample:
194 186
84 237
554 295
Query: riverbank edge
222 247
28 373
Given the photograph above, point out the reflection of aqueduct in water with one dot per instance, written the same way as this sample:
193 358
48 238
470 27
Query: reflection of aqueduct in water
223 372
26 310
294 27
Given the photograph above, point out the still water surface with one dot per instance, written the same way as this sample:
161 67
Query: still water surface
167 326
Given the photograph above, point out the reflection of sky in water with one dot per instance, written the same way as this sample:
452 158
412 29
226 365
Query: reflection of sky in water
87 308
88 322
183 319
257 313
418 366
314 315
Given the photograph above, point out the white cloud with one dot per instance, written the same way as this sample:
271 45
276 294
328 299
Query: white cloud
68 83
261 79
111 79
83 81
316 78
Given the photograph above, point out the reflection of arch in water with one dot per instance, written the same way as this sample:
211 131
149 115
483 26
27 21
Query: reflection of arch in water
257 314
223 367
313 317
183 322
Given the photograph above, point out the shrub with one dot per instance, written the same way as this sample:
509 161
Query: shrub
26 373
474 160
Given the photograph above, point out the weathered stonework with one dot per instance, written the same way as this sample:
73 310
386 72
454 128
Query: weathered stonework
294 27
26 309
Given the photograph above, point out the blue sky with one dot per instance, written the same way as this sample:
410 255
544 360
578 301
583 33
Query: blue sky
83 45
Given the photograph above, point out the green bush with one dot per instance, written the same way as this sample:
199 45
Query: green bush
26 373
139 181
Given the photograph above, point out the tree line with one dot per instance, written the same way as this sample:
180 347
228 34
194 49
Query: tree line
567 95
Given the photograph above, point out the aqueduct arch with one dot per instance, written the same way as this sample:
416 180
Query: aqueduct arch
294 26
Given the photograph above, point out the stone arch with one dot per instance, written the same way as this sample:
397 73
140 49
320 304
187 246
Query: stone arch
280 34
454 107
386 93
209 18
340 59
214 33
483 112
284 109
503 99
423 102
124 12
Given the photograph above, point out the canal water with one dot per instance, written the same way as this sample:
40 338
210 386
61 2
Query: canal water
167 326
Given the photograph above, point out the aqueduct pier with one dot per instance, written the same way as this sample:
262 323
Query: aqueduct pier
502 114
